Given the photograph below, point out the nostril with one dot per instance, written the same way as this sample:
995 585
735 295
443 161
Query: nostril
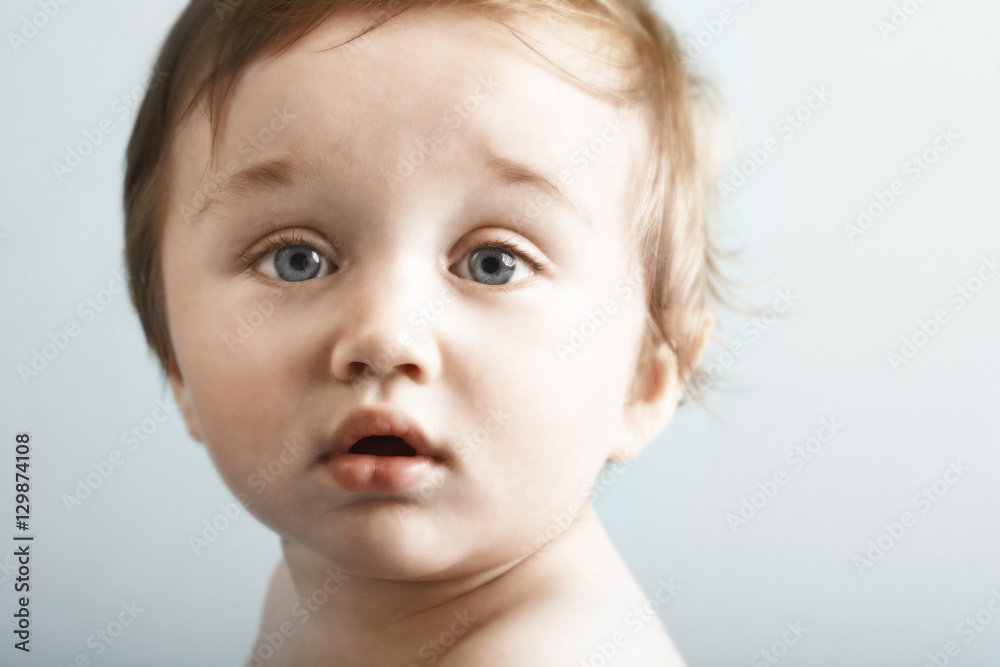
411 370
358 371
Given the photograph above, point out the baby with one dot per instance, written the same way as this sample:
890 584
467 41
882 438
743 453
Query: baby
416 271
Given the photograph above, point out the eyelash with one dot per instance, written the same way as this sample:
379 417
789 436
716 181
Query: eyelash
284 238
533 262
287 238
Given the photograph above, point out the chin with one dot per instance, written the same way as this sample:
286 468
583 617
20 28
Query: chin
388 543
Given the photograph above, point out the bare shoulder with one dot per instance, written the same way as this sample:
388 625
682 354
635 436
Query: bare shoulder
567 638
590 625
648 647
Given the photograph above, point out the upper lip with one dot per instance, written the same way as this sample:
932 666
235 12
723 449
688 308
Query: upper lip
363 422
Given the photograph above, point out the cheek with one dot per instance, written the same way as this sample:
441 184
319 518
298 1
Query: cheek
560 372
255 398
226 340
590 344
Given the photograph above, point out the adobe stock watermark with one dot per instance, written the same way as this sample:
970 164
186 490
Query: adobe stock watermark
471 443
272 640
787 126
133 438
695 46
122 107
899 17
454 117
248 149
641 615
598 316
610 473
59 340
225 7
213 527
923 500
265 475
914 167
778 649
359 44
582 157
432 650
420 319
796 459
586 154
103 638
562 521
32 24
753 328
247 324
963 293
971 627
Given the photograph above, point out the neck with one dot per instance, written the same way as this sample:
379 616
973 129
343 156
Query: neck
390 621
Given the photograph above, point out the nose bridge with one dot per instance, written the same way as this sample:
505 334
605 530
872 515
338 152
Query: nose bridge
382 328
387 292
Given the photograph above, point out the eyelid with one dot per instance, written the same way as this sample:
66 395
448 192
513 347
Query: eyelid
251 258
532 260
534 263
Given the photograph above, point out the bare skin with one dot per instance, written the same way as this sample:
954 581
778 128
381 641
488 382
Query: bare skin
397 315
563 605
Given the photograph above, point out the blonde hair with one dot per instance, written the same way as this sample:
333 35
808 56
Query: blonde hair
212 42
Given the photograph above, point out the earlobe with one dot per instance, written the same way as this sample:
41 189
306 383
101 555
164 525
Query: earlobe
183 399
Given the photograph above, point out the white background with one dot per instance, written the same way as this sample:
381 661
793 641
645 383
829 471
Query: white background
826 357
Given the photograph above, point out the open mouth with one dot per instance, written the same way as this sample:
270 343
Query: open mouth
382 445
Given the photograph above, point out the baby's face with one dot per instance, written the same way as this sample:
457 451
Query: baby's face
344 275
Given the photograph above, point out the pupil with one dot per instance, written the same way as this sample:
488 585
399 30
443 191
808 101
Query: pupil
491 264
298 261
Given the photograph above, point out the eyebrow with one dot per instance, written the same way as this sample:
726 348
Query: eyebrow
277 173
510 172
270 174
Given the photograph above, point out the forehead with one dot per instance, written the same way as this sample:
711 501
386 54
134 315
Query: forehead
432 92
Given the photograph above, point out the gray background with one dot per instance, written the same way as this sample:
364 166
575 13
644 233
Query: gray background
824 358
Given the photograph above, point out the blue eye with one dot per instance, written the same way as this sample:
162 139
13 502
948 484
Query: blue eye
496 265
294 263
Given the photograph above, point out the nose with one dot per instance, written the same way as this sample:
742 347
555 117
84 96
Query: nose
383 336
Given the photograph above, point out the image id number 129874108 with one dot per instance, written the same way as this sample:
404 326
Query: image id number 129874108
22 542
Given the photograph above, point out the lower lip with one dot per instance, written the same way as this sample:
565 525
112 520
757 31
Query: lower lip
366 473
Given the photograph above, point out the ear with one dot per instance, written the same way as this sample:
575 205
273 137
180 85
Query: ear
647 413
183 399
